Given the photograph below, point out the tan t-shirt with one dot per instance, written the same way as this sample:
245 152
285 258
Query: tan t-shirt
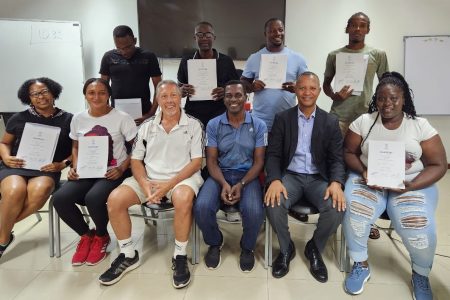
354 106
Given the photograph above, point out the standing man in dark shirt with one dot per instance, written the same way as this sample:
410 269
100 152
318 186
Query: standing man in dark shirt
130 69
226 71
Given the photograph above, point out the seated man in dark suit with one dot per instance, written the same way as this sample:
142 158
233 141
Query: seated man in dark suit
305 160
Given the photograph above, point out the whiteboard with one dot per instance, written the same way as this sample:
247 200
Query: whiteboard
31 49
427 71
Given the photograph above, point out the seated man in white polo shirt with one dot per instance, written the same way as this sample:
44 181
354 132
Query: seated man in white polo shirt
166 161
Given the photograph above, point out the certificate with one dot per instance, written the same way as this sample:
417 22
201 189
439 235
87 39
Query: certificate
386 164
92 156
272 70
202 75
350 70
37 145
131 106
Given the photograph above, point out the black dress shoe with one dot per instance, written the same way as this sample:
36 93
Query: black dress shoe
317 266
280 266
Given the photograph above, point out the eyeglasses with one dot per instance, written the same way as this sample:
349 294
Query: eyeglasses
208 35
42 93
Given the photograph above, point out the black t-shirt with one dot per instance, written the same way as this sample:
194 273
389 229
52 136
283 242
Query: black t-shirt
62 119
130 77
206 110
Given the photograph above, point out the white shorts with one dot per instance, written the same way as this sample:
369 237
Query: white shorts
194 182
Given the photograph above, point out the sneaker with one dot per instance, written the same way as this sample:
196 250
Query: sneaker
354 283
233 217
120 266
83 248
181 275
97 253
246 261
212 257
421 287
3 247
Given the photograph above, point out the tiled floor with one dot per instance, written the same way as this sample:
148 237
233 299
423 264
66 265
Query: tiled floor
27 271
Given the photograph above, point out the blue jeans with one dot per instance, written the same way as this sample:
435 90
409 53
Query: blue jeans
411 213
251 207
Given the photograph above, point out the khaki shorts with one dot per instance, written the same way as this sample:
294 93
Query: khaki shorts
194 182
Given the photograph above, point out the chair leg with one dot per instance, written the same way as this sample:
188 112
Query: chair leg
268 245
38 216
344 257
51 230
195 238
85 214
390 229
57 235
154 215
144 213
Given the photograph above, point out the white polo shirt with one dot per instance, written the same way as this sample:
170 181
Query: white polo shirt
166 154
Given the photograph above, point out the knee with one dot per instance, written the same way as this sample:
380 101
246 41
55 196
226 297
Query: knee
183 200
115 203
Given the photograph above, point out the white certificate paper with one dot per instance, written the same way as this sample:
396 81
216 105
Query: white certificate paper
38 144
92 156
131 106
350 70
202 75
386 164
272 70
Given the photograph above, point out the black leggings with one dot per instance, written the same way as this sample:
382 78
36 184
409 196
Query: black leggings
92 193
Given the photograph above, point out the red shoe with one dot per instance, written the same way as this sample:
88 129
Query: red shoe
82 252
98 249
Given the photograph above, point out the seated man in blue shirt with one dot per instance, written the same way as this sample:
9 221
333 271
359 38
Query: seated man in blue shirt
305 160
235 149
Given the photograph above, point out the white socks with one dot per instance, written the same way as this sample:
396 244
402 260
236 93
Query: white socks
180 248
127 247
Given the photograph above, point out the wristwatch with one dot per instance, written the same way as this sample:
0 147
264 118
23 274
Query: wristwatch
243 183
67 162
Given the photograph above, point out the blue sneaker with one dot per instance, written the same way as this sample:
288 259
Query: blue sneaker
421 287
354 283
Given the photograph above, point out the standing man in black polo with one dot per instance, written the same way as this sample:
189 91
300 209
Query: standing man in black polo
206 110
130 68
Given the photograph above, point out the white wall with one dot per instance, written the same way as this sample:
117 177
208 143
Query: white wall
313 27
97 17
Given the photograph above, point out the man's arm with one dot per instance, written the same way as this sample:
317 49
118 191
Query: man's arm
162 188
274 152
155 81
105 77
343 94
252 173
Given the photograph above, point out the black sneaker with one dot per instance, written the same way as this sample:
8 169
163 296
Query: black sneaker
3 248
247 261
181 275
212 257
120 266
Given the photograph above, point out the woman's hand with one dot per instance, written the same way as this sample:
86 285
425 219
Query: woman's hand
113 174
72 174
53 167
13 162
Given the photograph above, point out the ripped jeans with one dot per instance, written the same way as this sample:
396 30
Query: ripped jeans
411 213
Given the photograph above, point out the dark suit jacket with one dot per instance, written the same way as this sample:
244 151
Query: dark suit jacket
326 145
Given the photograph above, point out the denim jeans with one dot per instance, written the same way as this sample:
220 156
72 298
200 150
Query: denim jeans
251 207
411 213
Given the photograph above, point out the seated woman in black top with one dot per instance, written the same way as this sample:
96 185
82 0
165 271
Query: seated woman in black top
24 191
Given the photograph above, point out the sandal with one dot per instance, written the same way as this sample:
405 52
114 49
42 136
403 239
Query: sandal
374 233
